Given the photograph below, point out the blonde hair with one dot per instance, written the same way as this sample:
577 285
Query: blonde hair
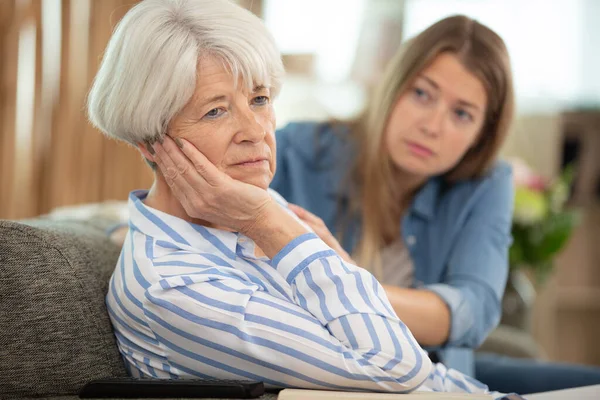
484 54
148 72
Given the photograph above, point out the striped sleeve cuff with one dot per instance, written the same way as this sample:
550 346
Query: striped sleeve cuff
299 254
461 315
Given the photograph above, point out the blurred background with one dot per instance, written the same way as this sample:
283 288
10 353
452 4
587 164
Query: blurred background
333 50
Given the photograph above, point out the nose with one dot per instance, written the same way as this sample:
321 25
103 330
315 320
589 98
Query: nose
434 121
250 128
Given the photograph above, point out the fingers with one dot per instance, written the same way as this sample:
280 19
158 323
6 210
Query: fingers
198 161
174 160
197 183
321 230
187 163
306 215
182 190
173 174
299 211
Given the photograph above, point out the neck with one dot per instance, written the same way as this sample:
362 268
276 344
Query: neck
407 185
160 197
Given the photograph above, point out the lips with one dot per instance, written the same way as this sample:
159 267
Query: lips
419 150
252 160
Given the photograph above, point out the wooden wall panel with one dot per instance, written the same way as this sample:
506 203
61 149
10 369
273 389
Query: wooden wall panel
124 168
584 326
66 170
9 33
63 159
61 180
105 16
88 146
22 64
29 181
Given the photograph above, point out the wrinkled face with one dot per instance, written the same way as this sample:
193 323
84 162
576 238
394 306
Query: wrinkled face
233 127
437 119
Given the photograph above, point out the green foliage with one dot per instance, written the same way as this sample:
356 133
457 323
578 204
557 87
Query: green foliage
536 241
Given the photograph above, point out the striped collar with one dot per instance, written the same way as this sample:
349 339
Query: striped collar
174 232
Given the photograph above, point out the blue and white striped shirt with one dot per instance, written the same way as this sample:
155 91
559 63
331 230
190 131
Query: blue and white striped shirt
189 301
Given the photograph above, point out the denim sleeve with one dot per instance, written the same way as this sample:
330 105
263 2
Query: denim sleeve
478 264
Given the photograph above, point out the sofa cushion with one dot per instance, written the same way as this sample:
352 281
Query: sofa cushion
55 334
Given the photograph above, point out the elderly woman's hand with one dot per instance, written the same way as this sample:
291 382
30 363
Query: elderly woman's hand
207 193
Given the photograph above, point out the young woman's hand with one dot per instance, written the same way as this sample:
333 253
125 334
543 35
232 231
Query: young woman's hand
207 193
320 229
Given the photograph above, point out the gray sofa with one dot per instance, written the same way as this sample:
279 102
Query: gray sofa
55 334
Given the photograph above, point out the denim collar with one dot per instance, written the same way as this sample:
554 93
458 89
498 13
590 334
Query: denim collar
425 201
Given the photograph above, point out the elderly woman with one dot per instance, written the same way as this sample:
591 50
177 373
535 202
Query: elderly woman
217 278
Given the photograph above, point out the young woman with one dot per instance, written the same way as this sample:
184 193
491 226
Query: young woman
413 191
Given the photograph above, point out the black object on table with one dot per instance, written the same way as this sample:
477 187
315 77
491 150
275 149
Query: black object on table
177 388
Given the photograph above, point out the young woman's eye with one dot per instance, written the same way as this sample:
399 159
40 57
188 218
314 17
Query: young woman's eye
214 113
421 94
463 115
260 100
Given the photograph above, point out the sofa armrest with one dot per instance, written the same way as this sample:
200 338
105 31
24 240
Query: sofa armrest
56 335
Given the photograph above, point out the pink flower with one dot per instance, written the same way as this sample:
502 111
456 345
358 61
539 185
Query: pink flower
524 176
537 183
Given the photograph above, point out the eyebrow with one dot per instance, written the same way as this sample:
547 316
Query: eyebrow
220 97
208 100
259 88
437 87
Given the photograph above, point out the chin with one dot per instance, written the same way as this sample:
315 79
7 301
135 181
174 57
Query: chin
417 169
261 181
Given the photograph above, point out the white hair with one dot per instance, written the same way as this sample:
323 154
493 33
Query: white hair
148 73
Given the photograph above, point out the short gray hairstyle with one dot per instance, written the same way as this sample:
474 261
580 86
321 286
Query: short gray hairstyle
148 73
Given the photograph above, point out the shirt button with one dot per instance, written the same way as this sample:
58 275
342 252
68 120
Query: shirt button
411 240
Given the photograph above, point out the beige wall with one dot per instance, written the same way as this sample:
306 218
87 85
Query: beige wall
536 138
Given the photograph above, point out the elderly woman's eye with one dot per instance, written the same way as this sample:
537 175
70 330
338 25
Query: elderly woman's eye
260 100
214 113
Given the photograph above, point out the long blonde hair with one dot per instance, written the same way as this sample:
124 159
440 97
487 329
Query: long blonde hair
484 54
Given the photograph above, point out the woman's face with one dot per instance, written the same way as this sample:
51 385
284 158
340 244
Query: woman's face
438 118
232 127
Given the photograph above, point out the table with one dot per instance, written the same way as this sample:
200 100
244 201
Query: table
581 393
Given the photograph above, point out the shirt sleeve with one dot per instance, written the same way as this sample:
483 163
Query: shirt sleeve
478 264
338 333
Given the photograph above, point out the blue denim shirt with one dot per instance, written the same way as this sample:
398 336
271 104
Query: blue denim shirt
458 237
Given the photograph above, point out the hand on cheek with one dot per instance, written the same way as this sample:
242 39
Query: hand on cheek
204 191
